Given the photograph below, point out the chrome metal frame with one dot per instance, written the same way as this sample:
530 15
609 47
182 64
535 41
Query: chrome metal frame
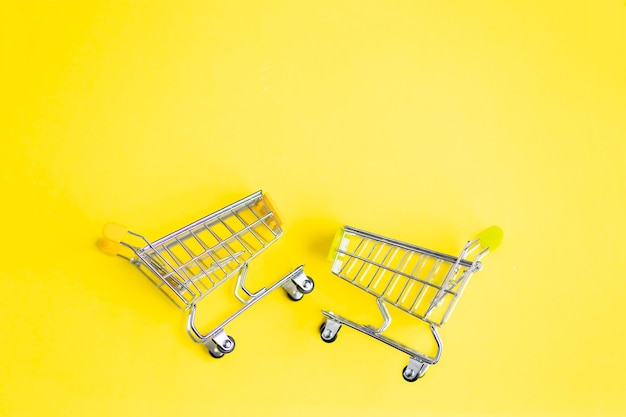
194 260
295 284
370 262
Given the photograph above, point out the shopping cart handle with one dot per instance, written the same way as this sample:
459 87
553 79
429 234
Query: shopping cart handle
112 236
491 237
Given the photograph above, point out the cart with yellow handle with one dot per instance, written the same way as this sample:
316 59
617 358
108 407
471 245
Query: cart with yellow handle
421 282
191 262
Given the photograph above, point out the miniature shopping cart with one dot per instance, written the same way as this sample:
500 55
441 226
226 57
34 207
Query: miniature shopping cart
193 261
421 282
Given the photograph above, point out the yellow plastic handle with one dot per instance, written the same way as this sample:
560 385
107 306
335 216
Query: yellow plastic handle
109 246
112 235
491 237
335 245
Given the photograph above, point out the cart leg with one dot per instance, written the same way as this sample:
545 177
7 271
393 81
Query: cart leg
241 284
212 348
220 344
414 370
329 330
298 286
385 313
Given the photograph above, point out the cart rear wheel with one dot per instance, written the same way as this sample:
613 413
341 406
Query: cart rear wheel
326 338
229 346
409 374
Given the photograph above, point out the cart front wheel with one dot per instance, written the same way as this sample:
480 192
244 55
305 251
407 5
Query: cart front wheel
327 335
228 345
306 286
297 297
409 375
215 354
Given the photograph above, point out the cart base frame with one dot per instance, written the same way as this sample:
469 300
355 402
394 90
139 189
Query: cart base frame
418 362
296 284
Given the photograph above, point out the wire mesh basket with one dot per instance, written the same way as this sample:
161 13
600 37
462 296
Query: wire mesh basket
191 262
420 282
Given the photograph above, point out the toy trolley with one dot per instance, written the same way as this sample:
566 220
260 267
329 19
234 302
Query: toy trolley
418 281
189 263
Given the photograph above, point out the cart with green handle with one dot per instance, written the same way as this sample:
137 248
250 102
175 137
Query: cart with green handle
420 282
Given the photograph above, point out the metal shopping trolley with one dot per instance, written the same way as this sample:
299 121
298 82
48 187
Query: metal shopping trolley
418 281
193 261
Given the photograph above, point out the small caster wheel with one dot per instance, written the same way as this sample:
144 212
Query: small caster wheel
216 355
295 298
409 375
306 286
326 334
297 288
228 345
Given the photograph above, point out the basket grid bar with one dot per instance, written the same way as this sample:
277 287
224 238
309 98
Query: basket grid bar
462 280
160 283
184 270
411 312
378 238
368 264
182 274
224 243
346 264
271 213
421 261
208 250
252 231
400 267
257 196
417 301
236 234
172 239
176 272
188 271
391 265
394 270
190 262
186 277
199 262
378 268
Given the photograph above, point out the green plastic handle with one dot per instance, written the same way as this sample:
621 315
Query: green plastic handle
332 253
491 237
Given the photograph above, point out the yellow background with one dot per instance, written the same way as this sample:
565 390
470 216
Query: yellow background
420 120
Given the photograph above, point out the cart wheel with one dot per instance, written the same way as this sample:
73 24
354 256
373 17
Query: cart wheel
327 339
307 286
292 298
216 355
409 375
230 346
